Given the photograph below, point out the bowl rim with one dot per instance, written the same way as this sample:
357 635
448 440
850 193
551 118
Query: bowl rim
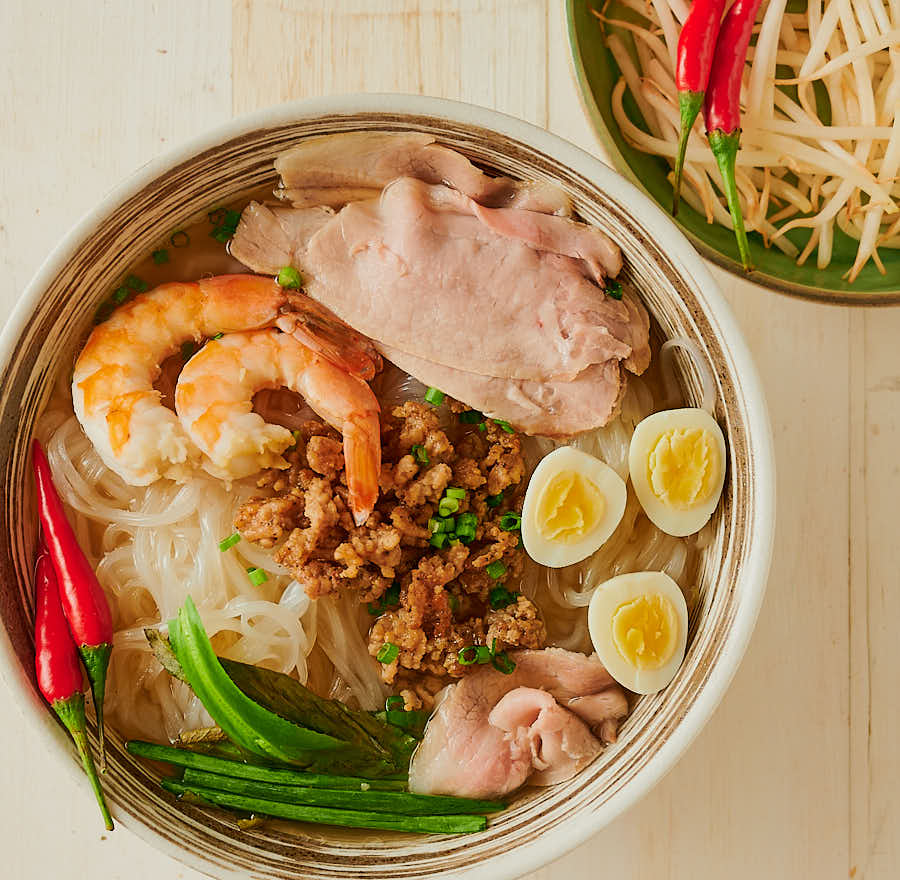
758 277
531 855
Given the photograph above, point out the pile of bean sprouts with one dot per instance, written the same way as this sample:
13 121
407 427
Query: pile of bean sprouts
793 170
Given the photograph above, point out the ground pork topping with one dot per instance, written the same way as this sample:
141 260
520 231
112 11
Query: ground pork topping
440 589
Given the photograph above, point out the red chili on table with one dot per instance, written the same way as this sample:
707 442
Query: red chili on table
81 595
722 109
693 63
58 668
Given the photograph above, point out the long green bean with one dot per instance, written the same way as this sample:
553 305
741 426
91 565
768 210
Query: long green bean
211 764
327 816
397 802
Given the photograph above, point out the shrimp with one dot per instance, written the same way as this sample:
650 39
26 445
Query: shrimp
214 401
113 381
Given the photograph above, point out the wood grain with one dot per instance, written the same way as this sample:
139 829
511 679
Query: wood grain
797 773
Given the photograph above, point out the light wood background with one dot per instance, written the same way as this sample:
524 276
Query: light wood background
797 774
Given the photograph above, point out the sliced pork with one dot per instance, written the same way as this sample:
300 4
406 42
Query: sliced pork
340 168
428 272
491 732
554 409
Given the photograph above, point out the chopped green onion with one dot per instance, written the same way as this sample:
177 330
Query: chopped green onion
453 492
232 218
452 539
496 569
500 597
510 521
471 417
188 349
395 704
387 653
494 500
160 257
438 540
483 654
446 506
218 336
503 663
468 656
289 277
441 524
120 294
466 520
180 239
420 453
482 426
614 289
391 596
229 542
134 283
221 234
257 576
504 426
434 396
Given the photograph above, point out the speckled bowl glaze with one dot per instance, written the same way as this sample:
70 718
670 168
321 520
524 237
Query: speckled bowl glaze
677 289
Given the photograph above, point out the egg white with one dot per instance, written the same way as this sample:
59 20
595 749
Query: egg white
557 554
607 599
669 519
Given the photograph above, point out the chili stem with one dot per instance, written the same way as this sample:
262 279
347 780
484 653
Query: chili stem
725 146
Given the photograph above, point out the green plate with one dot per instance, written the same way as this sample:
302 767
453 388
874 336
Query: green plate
597 73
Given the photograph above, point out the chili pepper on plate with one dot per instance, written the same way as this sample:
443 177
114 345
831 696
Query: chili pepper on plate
694 61
722 108
58 668
83 600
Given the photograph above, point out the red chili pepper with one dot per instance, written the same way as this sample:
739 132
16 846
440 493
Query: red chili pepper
693 63
82 597
722 110
58 668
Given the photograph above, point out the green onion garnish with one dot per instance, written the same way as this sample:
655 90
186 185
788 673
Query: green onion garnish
289 277
180 239
395 704
420 453
387 653
504 426
434 396
188 349
453 492
391 596
614 289
232 218
257 576
500 597
503 663
510 521
229 542
468 656
482 426
496 569
438 540
494 500
221 234
471 417
218 336
446 506
120 294
160 257
132 282
442 524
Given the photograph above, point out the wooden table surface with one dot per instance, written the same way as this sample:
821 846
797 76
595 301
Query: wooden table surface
797 774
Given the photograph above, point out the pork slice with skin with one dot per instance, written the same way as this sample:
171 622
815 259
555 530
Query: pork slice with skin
329 169
269 238
416 272
473 746
553 409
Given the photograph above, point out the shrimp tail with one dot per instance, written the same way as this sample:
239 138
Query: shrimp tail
362 456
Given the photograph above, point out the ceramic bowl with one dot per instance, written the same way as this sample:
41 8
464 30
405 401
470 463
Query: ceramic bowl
596 73
676 287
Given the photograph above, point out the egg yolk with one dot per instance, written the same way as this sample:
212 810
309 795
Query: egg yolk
683 466
645 631
570 508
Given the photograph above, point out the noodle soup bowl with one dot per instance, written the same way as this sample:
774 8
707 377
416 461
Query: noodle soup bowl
540 824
